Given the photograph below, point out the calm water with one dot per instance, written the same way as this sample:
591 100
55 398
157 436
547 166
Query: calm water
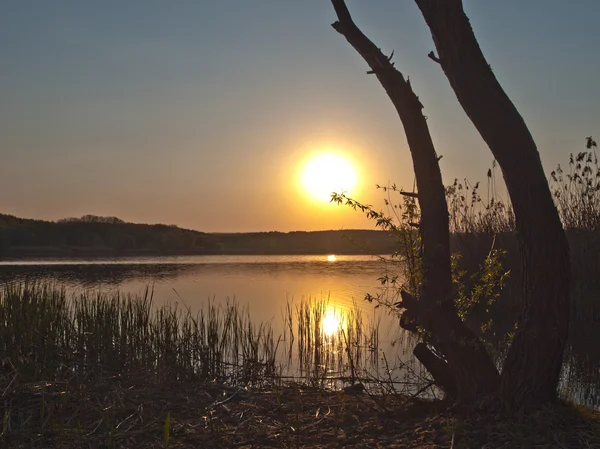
266 284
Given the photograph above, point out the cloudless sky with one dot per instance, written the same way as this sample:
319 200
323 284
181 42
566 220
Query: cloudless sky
200 113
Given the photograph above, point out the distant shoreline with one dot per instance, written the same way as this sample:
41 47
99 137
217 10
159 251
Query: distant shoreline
17 254
97 237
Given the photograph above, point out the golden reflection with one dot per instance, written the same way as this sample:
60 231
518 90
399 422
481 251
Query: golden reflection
331 258
331 323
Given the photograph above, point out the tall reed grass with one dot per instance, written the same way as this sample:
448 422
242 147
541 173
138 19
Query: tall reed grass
45 333
486 264
331 343
480 223
576 193
100 368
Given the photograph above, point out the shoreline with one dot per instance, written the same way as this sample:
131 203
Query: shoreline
18 254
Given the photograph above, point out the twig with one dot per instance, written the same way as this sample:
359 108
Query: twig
433 57
9 384
216 404
429 385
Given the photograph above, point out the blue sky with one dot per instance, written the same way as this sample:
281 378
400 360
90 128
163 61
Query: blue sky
200 113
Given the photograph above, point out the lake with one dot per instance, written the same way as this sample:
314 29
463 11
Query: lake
266 285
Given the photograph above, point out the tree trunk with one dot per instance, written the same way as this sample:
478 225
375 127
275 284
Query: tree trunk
438 369
532 368
466 359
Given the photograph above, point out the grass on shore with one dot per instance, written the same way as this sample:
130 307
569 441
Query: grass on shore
118 413
114 372
68 362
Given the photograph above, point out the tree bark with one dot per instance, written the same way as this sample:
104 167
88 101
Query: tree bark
438 369
467 360
532 368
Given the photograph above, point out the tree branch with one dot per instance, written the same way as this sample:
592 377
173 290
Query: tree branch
433 57
438 368
434 309
372 54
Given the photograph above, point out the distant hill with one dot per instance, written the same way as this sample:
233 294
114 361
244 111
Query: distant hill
92 236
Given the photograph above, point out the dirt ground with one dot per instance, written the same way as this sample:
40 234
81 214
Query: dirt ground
118 414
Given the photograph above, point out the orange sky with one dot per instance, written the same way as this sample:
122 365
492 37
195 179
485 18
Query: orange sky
201 114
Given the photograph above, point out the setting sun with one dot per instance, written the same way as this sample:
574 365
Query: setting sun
326 173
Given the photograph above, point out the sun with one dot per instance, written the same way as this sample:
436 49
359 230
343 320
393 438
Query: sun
326 173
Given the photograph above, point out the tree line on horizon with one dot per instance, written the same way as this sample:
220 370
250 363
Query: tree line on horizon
93 235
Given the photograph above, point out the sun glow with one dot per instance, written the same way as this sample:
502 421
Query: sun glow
326 173
331 323
331 258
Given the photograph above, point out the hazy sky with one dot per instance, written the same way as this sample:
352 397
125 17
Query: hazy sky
200 113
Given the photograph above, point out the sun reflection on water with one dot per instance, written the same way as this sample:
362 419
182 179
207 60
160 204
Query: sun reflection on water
331 258
331 323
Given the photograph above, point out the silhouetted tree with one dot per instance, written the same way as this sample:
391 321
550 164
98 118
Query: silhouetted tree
465 367
92 219
531 371
105 235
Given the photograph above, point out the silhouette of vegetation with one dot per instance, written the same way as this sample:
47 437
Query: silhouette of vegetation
91 234
451 351
77 342
486 265
577 193
111 370
108 236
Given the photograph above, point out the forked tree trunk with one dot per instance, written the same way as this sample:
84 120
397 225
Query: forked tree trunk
464 357
532 368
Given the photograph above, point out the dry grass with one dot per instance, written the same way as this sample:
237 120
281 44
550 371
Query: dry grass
576 193
46 335
119 413
115 371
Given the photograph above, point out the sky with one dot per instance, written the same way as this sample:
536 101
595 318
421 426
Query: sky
203 113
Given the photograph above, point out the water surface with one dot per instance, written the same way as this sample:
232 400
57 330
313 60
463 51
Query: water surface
266 284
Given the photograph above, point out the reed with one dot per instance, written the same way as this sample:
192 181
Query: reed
576 192
482 223
46 334
73 365
330 345
486 265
